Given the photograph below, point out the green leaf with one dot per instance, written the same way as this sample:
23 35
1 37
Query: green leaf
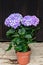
30 41
18 48
10 46
21 31
28 36
25 48
16 40
16 35
10 32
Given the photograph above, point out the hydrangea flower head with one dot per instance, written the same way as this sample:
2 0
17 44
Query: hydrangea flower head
13 20
26 21
30 20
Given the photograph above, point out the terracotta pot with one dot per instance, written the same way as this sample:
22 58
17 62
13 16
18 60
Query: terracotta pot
23 58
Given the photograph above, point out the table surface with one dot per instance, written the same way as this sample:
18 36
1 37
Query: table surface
9 57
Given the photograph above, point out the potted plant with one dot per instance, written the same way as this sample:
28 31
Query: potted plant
21 32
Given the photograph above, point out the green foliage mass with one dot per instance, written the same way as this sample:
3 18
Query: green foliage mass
21 37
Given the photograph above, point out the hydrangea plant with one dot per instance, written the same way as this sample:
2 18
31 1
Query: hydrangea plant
21 31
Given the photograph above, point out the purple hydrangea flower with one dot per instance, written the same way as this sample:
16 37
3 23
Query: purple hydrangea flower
35 20
30 20
26 21
13 20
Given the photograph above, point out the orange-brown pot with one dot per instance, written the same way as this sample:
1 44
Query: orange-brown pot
23 58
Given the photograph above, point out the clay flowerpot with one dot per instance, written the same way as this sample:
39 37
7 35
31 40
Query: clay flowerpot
23 58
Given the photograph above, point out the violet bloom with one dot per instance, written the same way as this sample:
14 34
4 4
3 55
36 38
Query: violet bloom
30 20
26 21
13 20
35 20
